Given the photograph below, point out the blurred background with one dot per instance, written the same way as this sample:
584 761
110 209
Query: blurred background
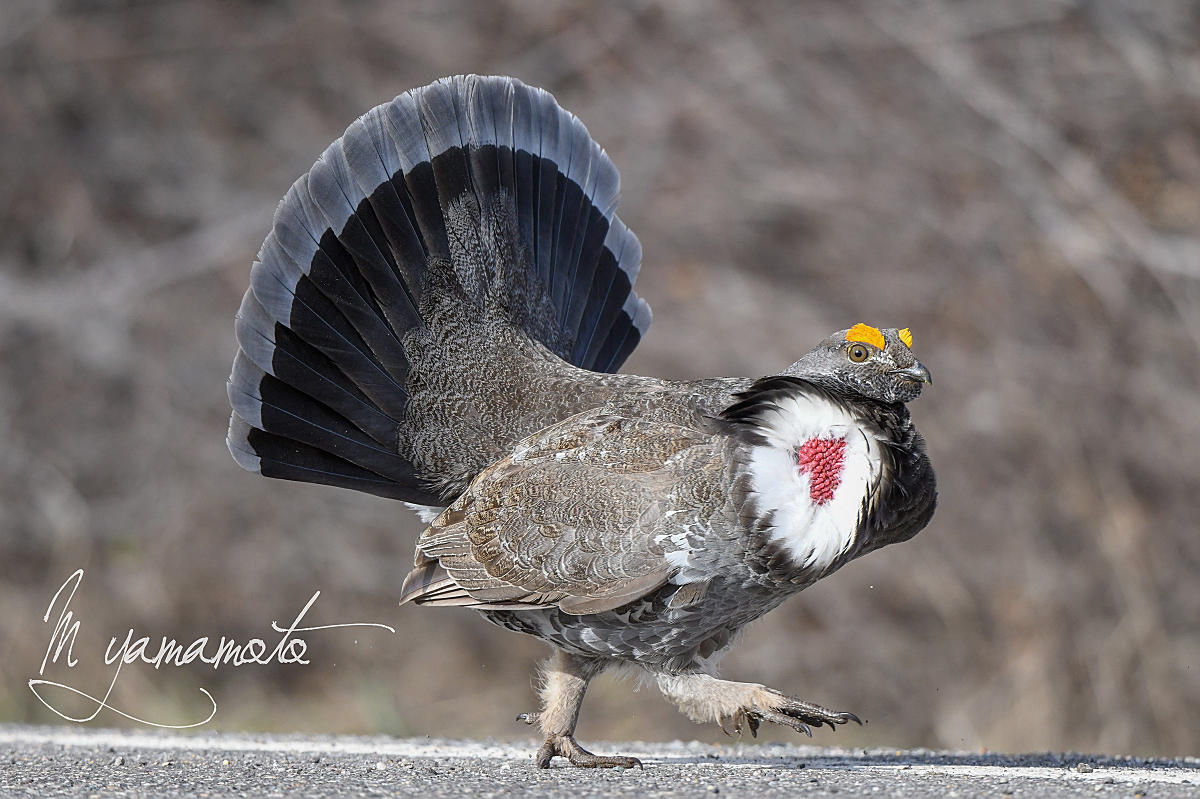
1018 182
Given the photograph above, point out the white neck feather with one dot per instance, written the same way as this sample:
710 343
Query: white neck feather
814 532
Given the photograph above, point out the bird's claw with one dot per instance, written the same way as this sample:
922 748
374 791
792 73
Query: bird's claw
815 714
753 719
786 720
566 746
787 712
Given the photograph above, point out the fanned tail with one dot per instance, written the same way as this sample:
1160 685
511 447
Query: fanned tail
483 178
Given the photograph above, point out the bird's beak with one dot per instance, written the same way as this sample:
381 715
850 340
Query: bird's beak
917 373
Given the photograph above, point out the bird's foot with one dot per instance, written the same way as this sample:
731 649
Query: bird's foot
781 709
566 746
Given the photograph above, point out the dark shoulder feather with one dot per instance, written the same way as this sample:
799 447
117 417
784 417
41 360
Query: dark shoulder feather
743 418
910 497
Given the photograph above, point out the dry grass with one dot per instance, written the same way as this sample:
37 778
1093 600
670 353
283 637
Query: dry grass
1018 182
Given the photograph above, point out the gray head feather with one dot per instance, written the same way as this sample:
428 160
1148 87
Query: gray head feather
888 374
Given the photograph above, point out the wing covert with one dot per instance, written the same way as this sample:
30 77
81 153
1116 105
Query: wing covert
574 518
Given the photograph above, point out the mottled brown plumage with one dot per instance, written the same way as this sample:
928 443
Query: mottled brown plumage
435 317
570 518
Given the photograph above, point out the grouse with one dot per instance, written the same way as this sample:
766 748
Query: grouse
437 316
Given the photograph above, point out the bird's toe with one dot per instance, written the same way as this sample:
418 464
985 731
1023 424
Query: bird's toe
566 746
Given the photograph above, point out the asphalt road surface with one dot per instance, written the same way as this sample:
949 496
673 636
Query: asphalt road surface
91 762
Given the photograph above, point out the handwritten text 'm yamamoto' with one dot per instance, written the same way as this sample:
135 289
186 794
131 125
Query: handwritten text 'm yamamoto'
289 649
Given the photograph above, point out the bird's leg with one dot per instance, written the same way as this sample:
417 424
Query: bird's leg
704 698
564 681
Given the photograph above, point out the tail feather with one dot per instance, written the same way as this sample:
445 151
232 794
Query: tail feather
570 184
485 176
373 160
586 280
620 261
256 450
303 307
577 184
372 267
366 238
407 138
547 172
483 157
279 352
267 403
637 311
490 125
438 107
525 152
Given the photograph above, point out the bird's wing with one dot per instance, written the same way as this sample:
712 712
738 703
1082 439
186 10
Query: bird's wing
574 518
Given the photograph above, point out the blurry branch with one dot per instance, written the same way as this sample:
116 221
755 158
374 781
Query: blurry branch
576 49
104 296
862 42
16 20
959 71
1121 538
280 36
1123 36
1146 59
1016 18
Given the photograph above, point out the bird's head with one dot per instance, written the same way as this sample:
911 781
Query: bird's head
873 362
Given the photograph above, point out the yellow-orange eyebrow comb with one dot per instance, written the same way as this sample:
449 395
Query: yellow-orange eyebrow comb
866 334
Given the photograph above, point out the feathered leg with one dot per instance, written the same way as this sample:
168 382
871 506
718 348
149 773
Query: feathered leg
564 681
704 698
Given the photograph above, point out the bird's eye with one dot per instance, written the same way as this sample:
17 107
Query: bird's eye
858 353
